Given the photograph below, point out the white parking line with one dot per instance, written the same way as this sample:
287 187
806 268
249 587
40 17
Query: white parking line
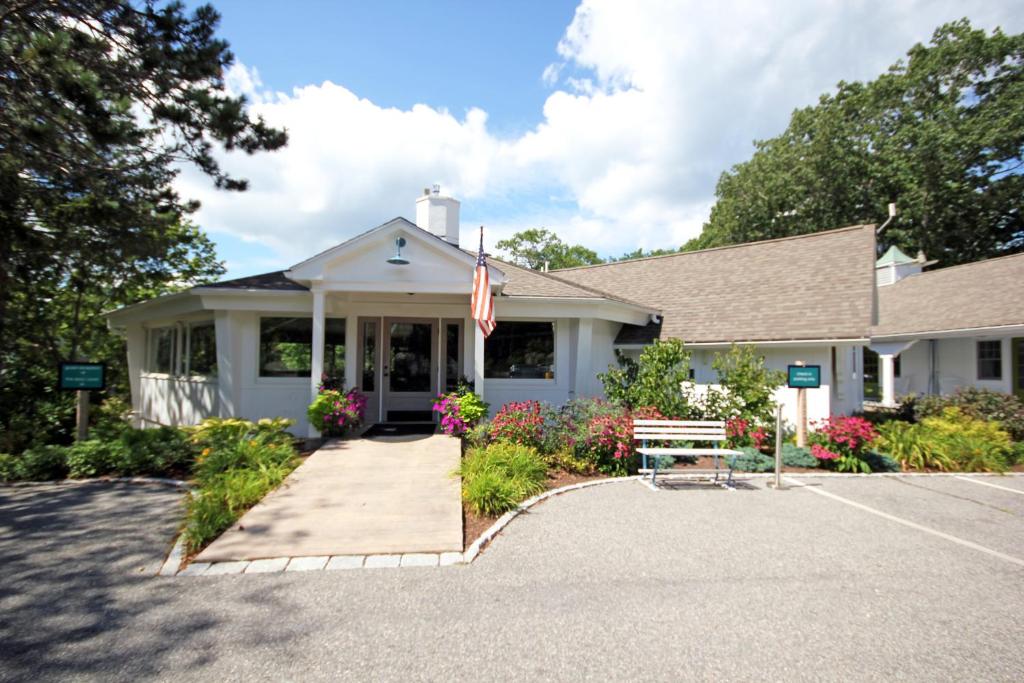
908 523
975 480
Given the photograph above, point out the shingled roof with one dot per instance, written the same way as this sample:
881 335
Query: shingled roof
816 286
975 295
266 281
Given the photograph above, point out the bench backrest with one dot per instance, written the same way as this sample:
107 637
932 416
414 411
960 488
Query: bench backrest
679 430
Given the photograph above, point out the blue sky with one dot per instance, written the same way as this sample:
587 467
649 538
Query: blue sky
608 123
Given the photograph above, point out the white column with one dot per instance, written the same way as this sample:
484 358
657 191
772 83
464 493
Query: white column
227 363
135 339
886 368
584 367
352 343
317 366
478 359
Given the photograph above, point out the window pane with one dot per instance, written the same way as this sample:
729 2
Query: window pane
286 347
897 367
369 356
161 350
451 347
334 349
202 349
410 356
520 350
990 360
872 388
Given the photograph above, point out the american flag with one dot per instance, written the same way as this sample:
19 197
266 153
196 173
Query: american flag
482 302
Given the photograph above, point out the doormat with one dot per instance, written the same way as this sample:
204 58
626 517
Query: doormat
392 429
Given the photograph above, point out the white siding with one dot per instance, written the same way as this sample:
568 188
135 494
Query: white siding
176 401
956 366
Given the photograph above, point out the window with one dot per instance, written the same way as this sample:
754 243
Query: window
369 356
202 349
452 343
162 350
521 350
990 360
286 347
897 367
872 378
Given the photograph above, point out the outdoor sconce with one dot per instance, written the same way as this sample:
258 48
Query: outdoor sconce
398 259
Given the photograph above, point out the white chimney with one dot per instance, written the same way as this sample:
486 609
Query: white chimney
438 214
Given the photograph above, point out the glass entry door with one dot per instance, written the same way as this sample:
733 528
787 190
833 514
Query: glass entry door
409 369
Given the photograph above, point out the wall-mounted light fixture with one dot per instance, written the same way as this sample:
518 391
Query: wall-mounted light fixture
398 259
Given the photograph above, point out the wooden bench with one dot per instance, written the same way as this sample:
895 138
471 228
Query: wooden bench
689 431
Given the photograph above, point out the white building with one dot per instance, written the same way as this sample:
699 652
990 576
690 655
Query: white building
944 329
388 312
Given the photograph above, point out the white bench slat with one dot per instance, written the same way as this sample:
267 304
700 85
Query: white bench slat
678 437
679 423
688 451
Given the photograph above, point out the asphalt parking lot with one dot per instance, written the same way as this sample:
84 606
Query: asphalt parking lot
866 578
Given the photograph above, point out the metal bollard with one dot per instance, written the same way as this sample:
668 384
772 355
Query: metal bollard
778 446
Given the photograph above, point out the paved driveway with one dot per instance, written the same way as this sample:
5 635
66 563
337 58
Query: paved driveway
611 583
356 497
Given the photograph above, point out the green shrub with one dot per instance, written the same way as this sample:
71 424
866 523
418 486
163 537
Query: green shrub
154 451
981 404
794 456
42 463
655 380
234 474
748 387
478 436
8 467
753 460
497 478
93 458
214 432
950 442
110 420
567 459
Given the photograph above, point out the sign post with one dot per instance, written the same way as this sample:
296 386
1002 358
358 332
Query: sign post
82 378
778 447
803 377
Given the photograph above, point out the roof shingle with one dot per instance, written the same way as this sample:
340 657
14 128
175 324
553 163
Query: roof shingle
816 286
974 295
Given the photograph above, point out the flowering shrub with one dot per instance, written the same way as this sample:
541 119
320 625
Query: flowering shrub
745 434
520 422
459 411
841 442
334 412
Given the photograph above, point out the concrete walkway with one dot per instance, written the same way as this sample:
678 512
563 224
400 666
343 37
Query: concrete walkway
358 497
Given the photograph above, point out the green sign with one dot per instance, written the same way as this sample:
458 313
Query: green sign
804 376
82 376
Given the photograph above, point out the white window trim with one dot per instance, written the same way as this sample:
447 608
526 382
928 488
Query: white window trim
529 382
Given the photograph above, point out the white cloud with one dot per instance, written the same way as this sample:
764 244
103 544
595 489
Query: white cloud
656 100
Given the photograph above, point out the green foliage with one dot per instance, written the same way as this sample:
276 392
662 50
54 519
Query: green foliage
950 442
477 436
217 432
102 104
753 460
748 385
159 451
472 408
93 457
984 404
239 464
8 467
41 463
498 477
655 380
534 248
794 456
939 133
